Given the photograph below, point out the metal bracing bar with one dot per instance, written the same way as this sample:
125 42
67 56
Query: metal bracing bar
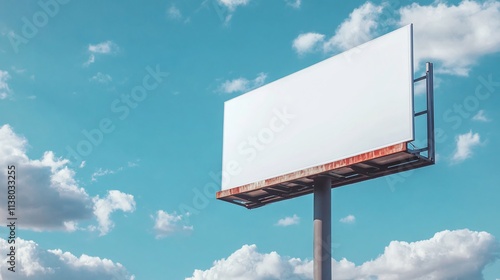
275 192
420 113
281 187
247 197
301 184
334 178
418 151
236 202
420 79
360 170
335 175
375 165
430 110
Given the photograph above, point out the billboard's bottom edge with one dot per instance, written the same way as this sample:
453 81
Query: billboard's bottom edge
388 160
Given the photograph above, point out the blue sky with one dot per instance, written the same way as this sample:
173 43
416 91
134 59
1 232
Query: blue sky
112 113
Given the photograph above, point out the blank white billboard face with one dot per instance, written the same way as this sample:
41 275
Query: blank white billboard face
355 102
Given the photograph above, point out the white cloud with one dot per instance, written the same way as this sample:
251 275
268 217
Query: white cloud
355 30
115 200
481 117
50 196
32 262
71 226
288 221
458 255
48 186
236 85
358 28
233 4
90 60
259 80
107 47
167 224
242 84
4 86
82 164
465 143
307 42
226 8
174 13
248 264
349 219
101 172
456 36
294 3
103 48
101 78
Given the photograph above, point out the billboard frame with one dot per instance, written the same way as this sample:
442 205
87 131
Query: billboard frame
354 102
385 161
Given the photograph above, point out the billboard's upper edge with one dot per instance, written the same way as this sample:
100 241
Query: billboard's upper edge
350 104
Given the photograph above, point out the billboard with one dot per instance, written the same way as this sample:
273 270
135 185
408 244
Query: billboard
348 105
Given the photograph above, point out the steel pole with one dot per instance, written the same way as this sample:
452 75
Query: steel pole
430 111
322 229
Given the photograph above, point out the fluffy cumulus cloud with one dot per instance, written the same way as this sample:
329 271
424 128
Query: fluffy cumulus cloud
4 86
103 207
288 221
50 196
358 28
167 224
104 48
32 262
242 84
455 35
457 255
465 143
248 263
308 42
460 254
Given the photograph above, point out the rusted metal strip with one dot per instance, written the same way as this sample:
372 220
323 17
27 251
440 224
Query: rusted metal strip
314 170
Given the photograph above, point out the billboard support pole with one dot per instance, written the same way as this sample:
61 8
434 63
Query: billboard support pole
322 228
